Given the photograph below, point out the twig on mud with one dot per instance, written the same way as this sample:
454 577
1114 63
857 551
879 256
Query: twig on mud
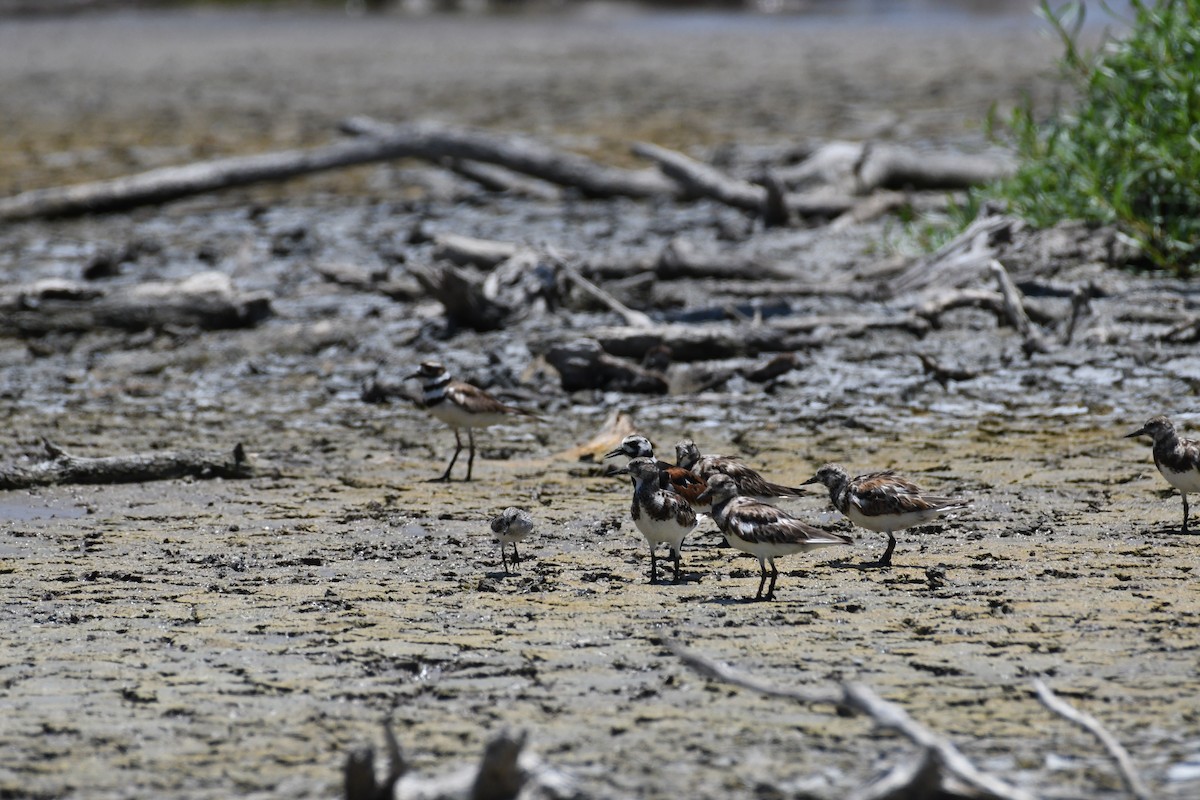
63 467
1129 773
1014 309
858 698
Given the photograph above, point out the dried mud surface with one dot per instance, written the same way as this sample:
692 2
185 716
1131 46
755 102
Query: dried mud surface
199 639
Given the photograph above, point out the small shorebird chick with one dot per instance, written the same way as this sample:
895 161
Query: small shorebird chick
749 482
882 501
762 530
461 405
510 526
683 482
660 514
1178 459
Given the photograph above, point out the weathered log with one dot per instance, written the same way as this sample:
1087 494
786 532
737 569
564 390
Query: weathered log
499 179
889 166
435 141
426 140
469 251
207 300
699 179
616 426
64 468
729 340
583 364
461 293
681 258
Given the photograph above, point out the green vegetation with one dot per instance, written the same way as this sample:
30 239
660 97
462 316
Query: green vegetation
1129 155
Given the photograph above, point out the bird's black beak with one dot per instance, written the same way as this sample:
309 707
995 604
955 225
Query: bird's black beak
612 453
1139 432
704 496
621 471
813 479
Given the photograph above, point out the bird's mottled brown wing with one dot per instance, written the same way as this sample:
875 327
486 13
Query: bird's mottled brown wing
749 482
760 523
883 493
477 401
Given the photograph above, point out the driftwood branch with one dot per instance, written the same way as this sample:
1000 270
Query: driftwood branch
583 364
886 166
959 262
61 467
860 699
699 179
507 771
1129 773
381 142
207 300
728 340
1014 309
436 141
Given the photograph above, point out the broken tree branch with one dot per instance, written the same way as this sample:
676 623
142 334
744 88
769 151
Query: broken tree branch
1129 773
435 141
426 140
861 699
699 179
1014 310
62 467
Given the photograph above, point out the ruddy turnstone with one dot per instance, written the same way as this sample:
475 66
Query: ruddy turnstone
762 530
683 482
660 514
749 482
882 502
510 526
1178 459
461 405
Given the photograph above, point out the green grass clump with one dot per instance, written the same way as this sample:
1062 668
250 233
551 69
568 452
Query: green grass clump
1129 155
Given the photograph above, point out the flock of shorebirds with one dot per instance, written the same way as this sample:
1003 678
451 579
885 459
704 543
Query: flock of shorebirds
669 499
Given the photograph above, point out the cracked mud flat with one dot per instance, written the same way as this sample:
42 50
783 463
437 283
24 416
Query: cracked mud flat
208 639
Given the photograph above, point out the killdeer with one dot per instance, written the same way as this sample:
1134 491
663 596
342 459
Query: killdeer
461 405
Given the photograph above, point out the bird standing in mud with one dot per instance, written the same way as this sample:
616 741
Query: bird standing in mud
510 526
882 502
660 514
1178 459
762 530
461 405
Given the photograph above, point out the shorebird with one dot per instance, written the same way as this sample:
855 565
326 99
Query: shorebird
1178 459
683 482
660 514
511 525
762 530
749 482
461 405
881 501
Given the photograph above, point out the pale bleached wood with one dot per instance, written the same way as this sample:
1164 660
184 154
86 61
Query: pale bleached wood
61 467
